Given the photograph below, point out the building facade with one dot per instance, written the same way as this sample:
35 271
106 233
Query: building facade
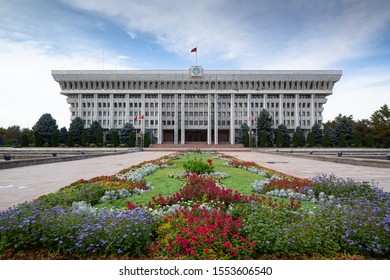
196 105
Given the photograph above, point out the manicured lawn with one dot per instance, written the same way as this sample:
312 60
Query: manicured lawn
240 179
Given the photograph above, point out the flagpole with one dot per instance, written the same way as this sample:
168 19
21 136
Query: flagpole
196 55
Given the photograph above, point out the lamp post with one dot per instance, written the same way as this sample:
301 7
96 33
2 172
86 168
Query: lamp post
250 135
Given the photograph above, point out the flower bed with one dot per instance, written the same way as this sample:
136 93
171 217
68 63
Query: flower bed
204 219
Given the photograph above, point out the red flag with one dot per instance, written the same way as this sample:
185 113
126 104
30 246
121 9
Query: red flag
141 117
135 118
194 50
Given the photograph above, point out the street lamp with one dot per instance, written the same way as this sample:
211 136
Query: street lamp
250 135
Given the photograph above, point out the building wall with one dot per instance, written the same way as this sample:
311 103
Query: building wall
210 107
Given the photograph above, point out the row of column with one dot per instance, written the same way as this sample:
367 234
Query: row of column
209 109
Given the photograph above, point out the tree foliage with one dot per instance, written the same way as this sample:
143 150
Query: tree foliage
264 124
317 134
380 122
298 138
45 127
76 128
94 129
124 134
283 138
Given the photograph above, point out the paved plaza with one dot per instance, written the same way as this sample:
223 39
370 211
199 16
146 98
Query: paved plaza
27 183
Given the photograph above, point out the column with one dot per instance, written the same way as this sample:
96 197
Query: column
111 118
248 111
79 109
127 109
143 112
176 127
297 111
232 127
312 111
209 119
281 98
216 119
160 139
183 128
95 107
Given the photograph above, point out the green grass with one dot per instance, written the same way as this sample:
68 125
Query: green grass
240 180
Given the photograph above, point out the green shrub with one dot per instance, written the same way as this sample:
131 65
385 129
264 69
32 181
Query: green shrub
90 193
198 166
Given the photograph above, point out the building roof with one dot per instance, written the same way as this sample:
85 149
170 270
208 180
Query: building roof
232 75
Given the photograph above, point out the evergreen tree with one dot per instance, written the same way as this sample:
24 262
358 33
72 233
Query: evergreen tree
370 140
279 139
345 126
317 134
284 133
76 128
62 136
69 139
332 137
264 123
37 139
55 138
45 126
363 127
342 141
114 137
243 135
380 122
357 139
84 138
326 140
93 132
263 139
299 140
310 139
100 139
132 138
147 138
124 133
1 139
295 140
25 142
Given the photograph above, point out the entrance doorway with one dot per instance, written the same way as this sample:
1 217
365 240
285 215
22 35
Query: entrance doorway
196 135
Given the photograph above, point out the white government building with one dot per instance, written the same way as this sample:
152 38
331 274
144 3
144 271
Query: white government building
196 105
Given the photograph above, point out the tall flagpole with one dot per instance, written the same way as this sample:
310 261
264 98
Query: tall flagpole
196 55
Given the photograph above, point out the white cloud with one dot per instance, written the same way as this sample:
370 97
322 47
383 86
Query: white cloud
132 35
27 88
258 34
359 94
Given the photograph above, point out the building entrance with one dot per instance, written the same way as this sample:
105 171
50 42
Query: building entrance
196 135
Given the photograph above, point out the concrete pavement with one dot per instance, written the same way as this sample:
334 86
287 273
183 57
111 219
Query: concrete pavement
308 168
18 185
27 183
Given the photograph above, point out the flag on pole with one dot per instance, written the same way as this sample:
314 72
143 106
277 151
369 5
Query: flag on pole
141 117
194 50
136 118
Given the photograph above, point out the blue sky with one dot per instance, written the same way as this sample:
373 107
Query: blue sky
37 36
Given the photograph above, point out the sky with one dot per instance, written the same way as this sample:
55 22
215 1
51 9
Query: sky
38 36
